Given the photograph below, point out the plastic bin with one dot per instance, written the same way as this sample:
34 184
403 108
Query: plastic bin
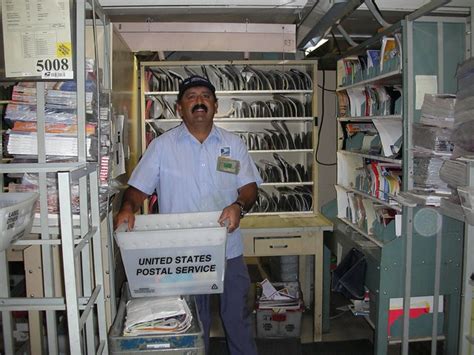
174 254
16 216
189 343
348 277
281 322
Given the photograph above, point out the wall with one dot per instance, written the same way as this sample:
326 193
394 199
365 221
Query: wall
327 145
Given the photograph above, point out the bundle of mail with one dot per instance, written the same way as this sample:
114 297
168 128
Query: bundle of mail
464 110
285 295
157 315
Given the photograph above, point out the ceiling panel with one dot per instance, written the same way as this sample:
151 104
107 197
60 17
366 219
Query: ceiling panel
305 14
206 3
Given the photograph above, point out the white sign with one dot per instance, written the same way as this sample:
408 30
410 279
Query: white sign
424 84
37 38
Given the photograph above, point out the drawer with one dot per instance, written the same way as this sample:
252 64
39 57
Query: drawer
278 246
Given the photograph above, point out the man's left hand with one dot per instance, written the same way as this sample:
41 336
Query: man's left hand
230 217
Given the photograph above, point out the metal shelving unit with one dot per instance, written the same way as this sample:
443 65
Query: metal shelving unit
409 263
70 302
81 295
466 338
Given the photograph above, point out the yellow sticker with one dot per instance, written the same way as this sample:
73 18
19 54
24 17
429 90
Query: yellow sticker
63 49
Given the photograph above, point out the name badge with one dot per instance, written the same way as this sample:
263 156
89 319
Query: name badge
228 165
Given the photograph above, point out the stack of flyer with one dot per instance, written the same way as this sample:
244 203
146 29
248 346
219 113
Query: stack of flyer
157 315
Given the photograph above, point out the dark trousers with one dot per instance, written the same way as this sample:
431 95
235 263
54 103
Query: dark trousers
233 310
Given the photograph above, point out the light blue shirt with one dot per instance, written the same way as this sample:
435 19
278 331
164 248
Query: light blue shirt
184 174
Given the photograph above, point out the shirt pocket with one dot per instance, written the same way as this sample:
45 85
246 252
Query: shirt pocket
226 181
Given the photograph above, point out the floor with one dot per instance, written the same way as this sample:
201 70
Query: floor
344 328
347 333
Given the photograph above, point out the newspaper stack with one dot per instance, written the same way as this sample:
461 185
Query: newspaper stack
438 110
157 315
432 145
464 110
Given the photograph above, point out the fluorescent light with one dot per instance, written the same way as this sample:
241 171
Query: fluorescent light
319 44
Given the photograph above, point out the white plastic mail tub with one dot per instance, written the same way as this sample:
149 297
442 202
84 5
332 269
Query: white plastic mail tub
174 254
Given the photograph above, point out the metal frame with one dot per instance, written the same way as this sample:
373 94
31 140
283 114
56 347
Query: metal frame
395 269
409 108
466 339
72 248
81 249
466 334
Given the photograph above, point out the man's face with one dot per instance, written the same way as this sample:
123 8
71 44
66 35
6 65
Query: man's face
197 106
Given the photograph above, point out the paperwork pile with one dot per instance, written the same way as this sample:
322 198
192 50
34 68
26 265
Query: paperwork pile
464 110
157 315
438 110
286 296
432 145
279 310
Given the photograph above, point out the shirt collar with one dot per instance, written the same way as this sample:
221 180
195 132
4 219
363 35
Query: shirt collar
184 133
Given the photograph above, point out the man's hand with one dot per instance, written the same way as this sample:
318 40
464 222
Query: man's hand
131 202
230 216
125 216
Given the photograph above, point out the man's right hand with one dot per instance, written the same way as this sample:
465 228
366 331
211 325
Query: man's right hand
124 216
131 202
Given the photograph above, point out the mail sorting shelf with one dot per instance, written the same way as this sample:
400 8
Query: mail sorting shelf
84 292
302 235
272 111
396 267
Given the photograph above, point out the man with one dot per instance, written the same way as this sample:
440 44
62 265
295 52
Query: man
199 167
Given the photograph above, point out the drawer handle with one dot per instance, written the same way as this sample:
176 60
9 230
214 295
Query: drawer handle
279 246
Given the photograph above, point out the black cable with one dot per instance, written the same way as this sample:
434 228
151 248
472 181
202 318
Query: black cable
335 42
321 125
323 88
376 7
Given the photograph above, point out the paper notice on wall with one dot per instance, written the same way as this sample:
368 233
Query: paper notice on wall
424 84
37 39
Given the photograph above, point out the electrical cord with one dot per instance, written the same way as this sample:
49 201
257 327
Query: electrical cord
377 7
321 125
335 42
323 88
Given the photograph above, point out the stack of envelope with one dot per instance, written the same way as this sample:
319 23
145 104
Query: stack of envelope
157 315
230 78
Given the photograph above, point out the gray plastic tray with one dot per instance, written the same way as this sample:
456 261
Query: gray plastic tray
189 343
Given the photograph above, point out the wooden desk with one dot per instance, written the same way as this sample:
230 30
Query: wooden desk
276 235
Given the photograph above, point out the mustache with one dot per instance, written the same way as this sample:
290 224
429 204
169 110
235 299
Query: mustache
199 106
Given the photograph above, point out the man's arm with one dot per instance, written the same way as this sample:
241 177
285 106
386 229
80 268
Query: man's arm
247 197
131 203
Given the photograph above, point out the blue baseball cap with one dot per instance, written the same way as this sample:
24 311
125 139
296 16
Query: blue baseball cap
193 81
